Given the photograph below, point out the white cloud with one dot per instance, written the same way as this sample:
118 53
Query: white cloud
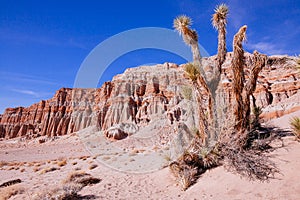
28 92
266 47
25 78
32 93
13 36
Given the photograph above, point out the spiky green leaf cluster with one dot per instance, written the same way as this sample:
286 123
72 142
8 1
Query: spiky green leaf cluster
295 125
221 12
181 23
192 71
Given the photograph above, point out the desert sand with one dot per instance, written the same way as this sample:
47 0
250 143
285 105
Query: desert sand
29 161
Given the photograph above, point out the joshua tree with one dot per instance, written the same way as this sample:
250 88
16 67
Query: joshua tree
208 124
194 70
243 90
219 22
219 138
210 87
182 25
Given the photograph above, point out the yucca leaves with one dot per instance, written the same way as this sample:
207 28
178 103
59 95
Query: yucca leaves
295 125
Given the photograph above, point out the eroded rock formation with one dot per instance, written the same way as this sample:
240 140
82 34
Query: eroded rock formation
143 95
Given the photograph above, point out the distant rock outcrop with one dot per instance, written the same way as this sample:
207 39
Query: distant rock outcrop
140 96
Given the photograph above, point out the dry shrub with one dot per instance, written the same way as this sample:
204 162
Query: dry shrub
252 162
10 182
295 125
74 163
77 169
11 168
54 162
70 187
41 141
108 157
11 165
38 164
48 169
93 166
61 163
3 163
244 154
10 191
30 164
81 177
187 169
36 169
66 192
73 176
83 157
185 174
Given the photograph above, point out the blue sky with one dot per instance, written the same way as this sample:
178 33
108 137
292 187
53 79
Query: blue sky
43 43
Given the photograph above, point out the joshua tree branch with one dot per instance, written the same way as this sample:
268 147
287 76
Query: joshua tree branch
237 65
258 62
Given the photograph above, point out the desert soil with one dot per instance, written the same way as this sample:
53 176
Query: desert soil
28 161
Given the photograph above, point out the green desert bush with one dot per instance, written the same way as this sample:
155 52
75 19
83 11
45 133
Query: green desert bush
255 122
192 71
187 92
295 125
209 158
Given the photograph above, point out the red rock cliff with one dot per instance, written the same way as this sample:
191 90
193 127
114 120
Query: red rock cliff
138 96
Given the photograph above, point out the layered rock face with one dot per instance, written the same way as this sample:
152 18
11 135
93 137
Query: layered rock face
52 117
133 98
278 88
141 96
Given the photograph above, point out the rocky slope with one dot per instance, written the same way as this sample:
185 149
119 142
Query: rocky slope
141 96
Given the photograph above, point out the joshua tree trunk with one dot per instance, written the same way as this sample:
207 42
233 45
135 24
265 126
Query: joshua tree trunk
221 46
258 62
237 66
219 22
241 91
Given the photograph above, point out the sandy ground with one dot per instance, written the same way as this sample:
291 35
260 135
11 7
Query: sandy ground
28 161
